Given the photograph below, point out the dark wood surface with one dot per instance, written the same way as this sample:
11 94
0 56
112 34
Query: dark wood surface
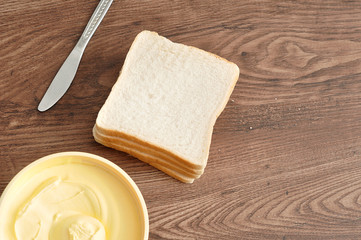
285 159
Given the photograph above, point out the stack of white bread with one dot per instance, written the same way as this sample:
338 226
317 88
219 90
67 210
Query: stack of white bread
164 104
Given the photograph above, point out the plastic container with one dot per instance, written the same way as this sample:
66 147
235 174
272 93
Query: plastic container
73 194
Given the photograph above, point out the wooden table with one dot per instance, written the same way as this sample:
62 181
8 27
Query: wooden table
285 159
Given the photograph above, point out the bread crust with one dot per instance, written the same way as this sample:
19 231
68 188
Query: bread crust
146 151
146 148
147 159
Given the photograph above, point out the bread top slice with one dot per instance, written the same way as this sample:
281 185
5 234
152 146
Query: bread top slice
169 95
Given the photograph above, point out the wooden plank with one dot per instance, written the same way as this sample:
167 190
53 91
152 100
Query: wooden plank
285 155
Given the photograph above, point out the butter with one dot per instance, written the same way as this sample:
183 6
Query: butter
72 197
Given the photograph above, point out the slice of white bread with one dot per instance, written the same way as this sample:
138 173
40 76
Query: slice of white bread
147 148
152 148
147 159
159 157
168 97
185 171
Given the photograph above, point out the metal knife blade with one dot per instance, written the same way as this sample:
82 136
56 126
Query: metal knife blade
62 80
67 71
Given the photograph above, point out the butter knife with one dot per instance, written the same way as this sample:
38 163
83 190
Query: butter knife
67 71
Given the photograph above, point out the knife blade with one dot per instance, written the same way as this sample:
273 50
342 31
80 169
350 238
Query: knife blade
67 71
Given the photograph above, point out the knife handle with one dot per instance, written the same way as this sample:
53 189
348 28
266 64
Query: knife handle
94 22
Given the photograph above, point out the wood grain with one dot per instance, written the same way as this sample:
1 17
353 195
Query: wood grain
285 155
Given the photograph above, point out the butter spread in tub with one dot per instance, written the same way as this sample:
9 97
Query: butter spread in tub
70 198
